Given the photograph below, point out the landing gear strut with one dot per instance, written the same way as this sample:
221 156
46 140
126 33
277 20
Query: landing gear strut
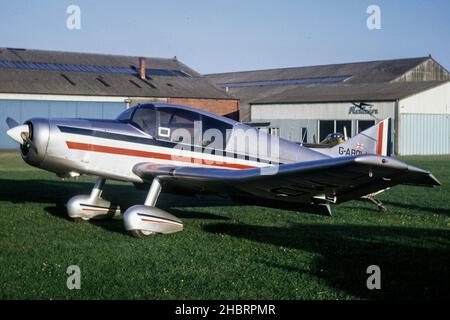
93 206
145 220
376 202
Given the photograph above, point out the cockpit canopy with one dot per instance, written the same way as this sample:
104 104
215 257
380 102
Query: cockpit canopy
176 123
333 139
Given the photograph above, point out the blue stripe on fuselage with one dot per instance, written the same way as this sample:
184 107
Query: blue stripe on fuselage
153 142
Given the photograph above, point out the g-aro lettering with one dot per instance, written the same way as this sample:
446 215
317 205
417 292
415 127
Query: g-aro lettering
349 151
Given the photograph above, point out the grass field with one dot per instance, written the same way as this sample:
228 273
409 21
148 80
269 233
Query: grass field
226 251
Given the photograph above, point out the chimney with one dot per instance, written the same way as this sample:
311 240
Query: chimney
142 68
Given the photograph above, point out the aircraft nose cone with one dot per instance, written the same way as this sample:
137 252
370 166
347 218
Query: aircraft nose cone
16 133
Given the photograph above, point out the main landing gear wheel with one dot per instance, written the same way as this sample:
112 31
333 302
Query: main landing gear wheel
146 220
142 233
93 206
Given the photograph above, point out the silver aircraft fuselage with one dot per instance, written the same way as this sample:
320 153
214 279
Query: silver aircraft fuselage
110 149
180 149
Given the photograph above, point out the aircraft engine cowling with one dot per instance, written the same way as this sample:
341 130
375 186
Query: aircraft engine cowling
34 150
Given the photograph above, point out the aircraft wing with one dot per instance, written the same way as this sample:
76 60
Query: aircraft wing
333 180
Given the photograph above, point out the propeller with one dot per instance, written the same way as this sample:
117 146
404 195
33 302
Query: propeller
20 133
11 122
28 142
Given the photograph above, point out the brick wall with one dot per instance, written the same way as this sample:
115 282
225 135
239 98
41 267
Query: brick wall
228 108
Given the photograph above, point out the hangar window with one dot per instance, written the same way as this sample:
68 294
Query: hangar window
274 131
341 124
331 126
365 124
325 127
304 135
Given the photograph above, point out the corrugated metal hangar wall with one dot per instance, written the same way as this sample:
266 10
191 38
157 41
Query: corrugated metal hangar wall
424 122
424 134
22 110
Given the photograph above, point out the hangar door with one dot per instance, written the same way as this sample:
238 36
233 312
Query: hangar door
424 134
26 109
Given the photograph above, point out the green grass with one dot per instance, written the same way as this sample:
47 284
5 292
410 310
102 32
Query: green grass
226 251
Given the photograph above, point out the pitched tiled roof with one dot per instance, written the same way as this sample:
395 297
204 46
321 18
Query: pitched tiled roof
70 73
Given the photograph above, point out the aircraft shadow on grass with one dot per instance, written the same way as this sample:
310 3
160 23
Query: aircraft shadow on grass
414 262
57 193
443 211
48 191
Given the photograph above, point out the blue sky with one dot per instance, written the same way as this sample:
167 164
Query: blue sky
219 36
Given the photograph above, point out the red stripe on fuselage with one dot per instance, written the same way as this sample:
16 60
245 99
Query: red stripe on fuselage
380 138
152 155
157 221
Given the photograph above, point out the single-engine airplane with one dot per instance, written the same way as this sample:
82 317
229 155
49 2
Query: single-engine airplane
179 149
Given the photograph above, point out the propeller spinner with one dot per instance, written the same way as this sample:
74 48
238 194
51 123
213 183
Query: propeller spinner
20 133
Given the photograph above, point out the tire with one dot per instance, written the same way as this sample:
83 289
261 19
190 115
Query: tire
142 234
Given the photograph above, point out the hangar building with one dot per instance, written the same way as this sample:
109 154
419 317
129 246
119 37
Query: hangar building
35 83
305 104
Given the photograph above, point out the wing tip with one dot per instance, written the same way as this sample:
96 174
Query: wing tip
423 178
436 182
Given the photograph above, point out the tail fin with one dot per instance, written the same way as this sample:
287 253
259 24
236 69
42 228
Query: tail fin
374 140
